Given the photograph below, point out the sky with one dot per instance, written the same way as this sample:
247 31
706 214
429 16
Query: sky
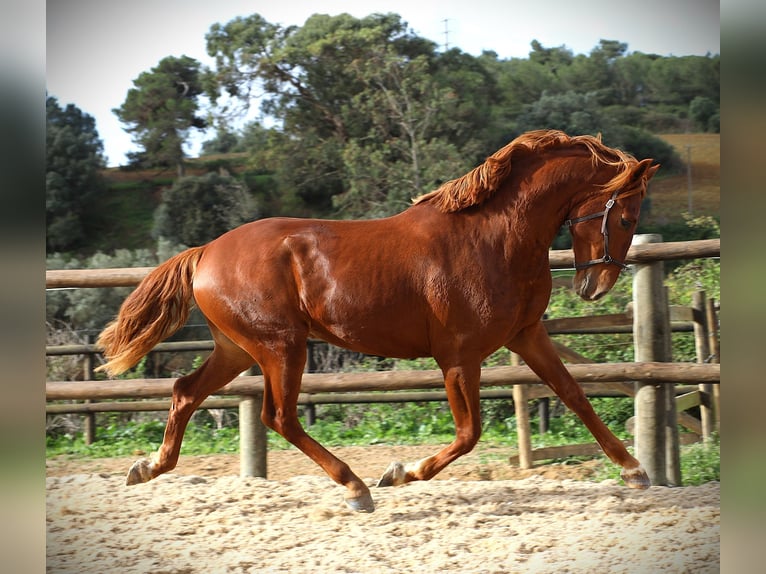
96 48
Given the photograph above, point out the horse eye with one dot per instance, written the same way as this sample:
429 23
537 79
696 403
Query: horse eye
626 223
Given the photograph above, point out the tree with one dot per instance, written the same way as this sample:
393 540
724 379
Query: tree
704 112
314 79
572 112
576 114
225 141
196 210
161 110
74 159
678 80
407 151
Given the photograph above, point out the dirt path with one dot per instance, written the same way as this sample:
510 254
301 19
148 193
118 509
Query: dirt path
205 518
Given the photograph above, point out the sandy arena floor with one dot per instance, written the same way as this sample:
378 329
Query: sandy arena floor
479 516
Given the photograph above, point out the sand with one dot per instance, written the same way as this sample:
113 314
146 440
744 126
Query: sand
203 517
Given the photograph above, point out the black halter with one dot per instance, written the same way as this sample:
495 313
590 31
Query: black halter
606 258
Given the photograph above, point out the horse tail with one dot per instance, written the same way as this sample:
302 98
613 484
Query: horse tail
158 307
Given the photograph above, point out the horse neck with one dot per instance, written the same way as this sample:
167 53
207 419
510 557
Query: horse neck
539 198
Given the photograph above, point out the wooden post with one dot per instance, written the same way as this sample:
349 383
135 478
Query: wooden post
672 442
543 411
89 423
702 347
654 402
523 427
715 357
253 438
310 414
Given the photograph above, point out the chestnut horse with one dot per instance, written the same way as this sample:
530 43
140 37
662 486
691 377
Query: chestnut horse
459 274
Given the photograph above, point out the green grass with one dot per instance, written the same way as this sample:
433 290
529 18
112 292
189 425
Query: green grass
700 463
353 425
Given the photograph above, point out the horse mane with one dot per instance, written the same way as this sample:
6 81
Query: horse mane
480 183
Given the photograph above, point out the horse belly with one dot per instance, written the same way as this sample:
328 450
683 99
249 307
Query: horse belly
363 324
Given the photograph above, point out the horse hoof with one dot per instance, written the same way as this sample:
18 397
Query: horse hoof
361 503
393 476
140 472
636 478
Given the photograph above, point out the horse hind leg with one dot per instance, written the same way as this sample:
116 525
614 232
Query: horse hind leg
282 367
462 386
224 363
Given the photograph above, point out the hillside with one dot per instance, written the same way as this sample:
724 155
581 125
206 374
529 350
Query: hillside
670 194
128 206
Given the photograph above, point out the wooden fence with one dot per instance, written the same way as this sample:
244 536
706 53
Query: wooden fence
626 378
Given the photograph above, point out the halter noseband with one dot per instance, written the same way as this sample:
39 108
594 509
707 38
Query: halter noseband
606 258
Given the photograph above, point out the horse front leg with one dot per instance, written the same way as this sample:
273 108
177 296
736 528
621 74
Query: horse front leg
462 386
536 348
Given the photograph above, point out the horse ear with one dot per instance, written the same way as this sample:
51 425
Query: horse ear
644 170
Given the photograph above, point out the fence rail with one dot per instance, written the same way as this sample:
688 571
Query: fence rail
393 380
332 398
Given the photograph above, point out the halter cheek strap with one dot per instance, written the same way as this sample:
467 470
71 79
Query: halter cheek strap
606 258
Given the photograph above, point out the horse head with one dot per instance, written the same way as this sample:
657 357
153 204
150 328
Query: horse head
602 228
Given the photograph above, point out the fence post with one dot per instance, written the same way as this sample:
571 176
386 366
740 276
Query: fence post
715 356
89 424
543 412
310 414
702 348
523 427
656 428
253 438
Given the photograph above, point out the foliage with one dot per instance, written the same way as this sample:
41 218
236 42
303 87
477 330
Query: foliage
372 114
161 108
705 113
376 424
196 210
598 348
118 439
582 113
367 115
64 367
84 309
700 463
363 114
74 159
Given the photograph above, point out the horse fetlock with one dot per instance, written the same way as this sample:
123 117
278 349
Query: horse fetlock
398 473
140 472
394 475
635 477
